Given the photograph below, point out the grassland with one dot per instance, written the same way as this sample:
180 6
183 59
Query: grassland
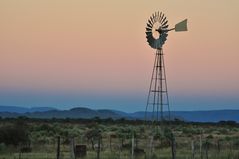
193 140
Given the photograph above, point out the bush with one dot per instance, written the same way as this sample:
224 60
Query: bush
14 134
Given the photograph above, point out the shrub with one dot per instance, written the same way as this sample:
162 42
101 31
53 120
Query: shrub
14 134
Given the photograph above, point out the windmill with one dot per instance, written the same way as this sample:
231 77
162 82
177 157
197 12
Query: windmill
156 34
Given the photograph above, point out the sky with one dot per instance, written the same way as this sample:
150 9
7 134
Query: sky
68 53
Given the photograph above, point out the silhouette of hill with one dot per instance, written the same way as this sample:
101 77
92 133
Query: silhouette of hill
78 112
16 109
87 113
198 116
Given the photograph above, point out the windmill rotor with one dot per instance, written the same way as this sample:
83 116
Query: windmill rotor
157 29
156 33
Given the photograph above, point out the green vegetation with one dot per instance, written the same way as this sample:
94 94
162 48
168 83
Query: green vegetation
37 139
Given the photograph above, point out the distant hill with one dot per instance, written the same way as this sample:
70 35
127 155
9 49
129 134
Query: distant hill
86 113
78 112
15 109
41 109
209 116
198 116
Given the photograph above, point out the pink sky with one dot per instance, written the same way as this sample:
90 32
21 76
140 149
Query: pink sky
82 49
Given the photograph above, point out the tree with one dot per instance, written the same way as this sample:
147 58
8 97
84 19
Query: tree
92 135
14 134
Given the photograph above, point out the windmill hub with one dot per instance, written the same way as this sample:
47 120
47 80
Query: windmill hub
160 30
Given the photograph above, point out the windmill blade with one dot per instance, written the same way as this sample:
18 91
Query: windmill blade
148 33
155 18
165 23
155 44
152 20
164 19
161 41
148 29
164 37
160 16
149 26
158 43
150 40
150 23
165 27
150 36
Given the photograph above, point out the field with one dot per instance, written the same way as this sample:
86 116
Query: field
38 139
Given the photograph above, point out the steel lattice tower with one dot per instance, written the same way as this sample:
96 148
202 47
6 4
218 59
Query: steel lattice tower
158 92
